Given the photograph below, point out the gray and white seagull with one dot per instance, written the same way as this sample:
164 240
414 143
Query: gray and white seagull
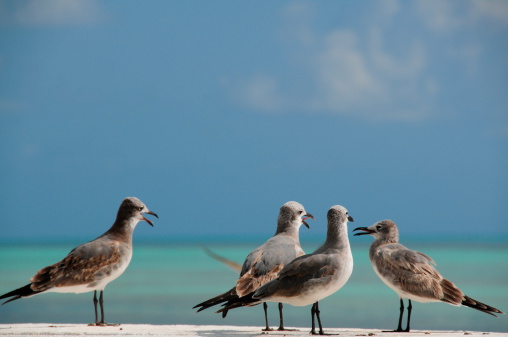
92 265
411 274
265 262
312 277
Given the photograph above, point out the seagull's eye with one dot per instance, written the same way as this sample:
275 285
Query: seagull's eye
300 212
378 227
140 208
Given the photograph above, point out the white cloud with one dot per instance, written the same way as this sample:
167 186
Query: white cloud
440 15
359 76
343 75
407 65
388 8
490 10
298 17
346 72
262 93
53 12
371 69
464 25
449 16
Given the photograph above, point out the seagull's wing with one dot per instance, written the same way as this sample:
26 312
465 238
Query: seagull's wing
265 263
413 273
85 264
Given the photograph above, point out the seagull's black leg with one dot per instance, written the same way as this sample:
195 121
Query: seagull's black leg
281 325
101 302
409 308
95 306
315 311
281 318
265 307
312 313
321 332
399 327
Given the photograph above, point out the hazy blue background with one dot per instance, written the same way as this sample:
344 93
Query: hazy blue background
215 113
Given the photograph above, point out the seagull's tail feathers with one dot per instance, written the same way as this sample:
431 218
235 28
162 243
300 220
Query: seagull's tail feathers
227 296
25 291
469 302
238 302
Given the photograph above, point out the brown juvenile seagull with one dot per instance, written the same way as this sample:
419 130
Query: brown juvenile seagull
92 265
264 263
411 274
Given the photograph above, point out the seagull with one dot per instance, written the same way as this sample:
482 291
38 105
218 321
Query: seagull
92 265
411 274
312 277
264 263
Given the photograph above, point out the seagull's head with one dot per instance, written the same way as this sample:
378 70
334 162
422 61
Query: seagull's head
132 207
294 213
340 213
385 230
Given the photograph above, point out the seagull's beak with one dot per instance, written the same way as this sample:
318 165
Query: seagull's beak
365 230
350 218
152 213
307 216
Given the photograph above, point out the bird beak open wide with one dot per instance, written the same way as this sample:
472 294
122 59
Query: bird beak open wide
307 216
365 230
152 213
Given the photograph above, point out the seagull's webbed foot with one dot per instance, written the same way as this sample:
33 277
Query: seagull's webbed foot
104 324
322 333
396 330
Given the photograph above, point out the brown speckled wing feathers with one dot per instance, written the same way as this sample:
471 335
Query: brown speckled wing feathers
85 264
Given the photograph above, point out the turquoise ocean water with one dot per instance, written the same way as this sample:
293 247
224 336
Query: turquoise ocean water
166 279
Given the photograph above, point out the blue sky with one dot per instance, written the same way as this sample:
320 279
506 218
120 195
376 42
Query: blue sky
216 113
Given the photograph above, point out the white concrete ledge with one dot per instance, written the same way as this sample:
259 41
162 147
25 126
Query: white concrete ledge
48 329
